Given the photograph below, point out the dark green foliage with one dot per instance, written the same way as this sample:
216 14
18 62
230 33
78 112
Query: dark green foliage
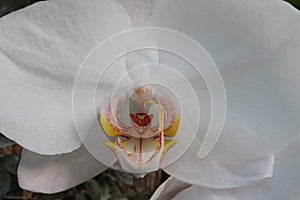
80 197
117 197
7 6
10 162
93 189
97 192
4 182
8 167
295 3
5 142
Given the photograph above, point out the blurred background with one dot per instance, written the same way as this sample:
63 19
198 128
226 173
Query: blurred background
110 185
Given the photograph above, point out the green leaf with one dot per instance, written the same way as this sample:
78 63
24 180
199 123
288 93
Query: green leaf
12 5
7 6
4 183
127 178
295 3
93 189
80 197
118 197
50 197
115 187
105 192
10 163
4 141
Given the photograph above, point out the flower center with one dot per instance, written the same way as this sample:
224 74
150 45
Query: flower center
140 119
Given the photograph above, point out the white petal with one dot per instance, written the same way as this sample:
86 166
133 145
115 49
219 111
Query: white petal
256 46
139 10
138 58
51 174
41 49
284 184
169 189
210 172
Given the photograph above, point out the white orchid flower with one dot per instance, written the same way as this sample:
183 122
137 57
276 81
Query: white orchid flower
51 64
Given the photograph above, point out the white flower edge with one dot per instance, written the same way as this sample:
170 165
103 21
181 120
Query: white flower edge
56 173
284 184
213 173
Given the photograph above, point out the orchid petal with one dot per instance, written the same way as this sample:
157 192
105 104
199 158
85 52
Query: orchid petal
138 58
41 49
139 10
213 173
283 185
51 174
256 46
169 189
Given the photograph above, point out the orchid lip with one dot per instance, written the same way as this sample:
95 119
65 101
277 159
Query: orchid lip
140 123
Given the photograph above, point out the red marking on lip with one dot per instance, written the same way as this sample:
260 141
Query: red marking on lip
141 149
141 119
